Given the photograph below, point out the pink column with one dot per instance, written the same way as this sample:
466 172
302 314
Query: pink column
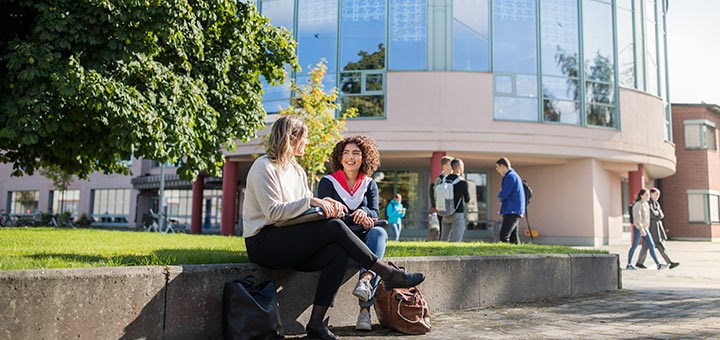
435 167
229 197
197 204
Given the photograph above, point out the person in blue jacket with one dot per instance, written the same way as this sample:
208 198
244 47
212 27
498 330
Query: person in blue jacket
395 213
512 201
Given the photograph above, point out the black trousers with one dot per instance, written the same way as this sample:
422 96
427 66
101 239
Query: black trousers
323 245
509 229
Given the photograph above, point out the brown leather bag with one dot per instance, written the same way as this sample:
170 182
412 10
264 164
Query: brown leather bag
402 309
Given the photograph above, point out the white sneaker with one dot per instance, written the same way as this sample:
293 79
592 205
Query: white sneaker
362 290
363 321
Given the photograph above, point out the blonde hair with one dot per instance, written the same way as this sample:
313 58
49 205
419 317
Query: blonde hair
286 131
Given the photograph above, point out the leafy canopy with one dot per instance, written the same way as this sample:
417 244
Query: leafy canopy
86 84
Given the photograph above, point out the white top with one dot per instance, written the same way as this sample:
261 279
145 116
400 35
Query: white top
273 195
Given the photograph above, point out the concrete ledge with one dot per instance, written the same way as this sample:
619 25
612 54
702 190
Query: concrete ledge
185 302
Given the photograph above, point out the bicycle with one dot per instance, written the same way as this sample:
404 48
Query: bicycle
61 221
151 223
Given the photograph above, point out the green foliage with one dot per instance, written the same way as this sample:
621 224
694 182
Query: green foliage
87 84
318 108
84 221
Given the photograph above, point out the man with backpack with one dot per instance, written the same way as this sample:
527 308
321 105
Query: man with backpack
450 198
512 201
446 169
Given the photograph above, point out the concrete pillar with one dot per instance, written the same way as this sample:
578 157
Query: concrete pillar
229 196
197 204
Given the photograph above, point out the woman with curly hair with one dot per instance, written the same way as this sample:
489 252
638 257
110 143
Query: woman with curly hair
277 191
353 161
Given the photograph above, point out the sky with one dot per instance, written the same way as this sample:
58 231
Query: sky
693 28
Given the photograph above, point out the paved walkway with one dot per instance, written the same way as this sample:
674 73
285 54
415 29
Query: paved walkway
682 303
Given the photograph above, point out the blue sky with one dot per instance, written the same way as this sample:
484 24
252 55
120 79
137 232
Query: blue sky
693 51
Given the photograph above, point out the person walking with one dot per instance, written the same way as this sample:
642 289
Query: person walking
277 191
641 223
454 225
657 231
354 160
512 201
395 213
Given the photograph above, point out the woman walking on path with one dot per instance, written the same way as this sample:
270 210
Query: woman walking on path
277 191
641 223
354 160
657 231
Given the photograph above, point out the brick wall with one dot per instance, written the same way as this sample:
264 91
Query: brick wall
696 169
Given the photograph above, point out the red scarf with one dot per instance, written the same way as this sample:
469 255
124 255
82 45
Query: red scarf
342 179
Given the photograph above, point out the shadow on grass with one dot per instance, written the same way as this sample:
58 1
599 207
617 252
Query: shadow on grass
161 257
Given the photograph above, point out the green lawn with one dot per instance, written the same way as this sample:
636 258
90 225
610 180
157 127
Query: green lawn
35 248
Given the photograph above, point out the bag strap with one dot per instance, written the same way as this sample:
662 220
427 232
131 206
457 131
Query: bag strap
424 307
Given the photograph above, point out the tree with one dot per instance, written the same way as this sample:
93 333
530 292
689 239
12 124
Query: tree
88 84
61 181
317 109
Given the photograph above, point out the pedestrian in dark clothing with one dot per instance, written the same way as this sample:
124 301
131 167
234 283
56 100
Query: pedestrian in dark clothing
657 231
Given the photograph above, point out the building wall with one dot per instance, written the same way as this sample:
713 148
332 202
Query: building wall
696 169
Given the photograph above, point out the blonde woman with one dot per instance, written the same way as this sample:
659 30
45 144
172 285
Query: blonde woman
276 191
641 225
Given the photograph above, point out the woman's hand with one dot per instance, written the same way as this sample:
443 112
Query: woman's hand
360 217
330 207
642 232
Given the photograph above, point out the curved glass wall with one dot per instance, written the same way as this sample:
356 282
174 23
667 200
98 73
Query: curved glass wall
553 61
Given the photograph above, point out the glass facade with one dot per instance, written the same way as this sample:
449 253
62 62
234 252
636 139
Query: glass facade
68 200
556 61
23 202
110 206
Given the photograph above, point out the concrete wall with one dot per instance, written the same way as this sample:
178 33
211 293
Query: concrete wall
185 302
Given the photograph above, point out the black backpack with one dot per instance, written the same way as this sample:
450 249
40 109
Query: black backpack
528 192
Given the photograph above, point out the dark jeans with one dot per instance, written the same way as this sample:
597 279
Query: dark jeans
323 245
509 229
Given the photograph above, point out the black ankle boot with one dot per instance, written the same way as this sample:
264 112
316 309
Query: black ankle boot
408 280
324 333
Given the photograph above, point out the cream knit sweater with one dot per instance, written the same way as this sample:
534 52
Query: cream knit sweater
273 195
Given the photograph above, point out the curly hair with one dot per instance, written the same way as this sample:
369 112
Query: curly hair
369 149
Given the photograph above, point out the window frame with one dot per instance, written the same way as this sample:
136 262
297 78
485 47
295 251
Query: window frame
702 143
707 208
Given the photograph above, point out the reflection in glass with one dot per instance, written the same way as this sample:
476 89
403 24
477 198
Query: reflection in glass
514 36
598 40
600 115
471 39
526 85
363 34
368 106
566 112
408 35
280 12
374 82
515 108
503 84
626 47
599 93
406 184
560 88
651 67
317 36
350 82
639 51
559 32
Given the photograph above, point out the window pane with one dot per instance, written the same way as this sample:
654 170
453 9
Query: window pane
626 47
363 35
710 137
639 46
503 84
561 111
696 207
471 41
317 36
374 82
281 14
408 34
559 37
598 33
599 93
368 106
350 82
692 136
651 67
600 115
714 214
514 36
560 88
526 85
512 108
